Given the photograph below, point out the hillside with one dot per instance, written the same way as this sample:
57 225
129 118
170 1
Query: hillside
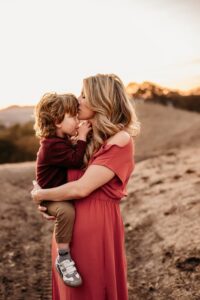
161 216
162 222
16 114
151 92
164 128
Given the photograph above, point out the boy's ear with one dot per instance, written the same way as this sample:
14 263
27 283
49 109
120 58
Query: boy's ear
58 125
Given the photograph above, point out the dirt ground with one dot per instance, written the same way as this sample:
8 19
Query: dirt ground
25 238
161 217
162 224
25 265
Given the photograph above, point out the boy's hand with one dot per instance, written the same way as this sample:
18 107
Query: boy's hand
34 192
73 139
83 130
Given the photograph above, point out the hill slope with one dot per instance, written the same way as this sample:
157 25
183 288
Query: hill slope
162 222
164 128
16 114
161 216
151 92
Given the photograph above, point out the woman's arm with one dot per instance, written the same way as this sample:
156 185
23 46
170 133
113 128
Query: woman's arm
94 177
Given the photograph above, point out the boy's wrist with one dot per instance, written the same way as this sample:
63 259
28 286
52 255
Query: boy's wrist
82 138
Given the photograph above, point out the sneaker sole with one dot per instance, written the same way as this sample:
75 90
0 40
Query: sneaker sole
70 283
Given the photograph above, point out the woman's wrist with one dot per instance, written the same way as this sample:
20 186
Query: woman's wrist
40 195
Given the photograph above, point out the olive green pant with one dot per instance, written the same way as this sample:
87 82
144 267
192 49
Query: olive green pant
65 215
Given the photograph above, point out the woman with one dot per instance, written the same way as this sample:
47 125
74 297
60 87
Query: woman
98 238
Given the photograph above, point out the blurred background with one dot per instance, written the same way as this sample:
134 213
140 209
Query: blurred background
154 47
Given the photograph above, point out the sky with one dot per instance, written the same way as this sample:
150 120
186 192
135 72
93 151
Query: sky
51 45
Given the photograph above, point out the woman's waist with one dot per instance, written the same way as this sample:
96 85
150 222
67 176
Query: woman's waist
101 198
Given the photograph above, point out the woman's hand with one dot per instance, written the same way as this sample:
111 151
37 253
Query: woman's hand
42 210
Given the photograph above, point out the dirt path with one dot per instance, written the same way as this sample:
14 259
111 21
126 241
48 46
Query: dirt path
25 239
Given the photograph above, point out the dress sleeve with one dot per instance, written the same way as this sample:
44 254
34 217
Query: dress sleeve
118 159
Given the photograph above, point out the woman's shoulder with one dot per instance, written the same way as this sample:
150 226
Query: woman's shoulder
121 138
117 142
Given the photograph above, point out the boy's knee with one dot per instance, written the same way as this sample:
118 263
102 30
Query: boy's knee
66 212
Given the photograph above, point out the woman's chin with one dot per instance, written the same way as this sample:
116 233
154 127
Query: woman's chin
80 116
85 116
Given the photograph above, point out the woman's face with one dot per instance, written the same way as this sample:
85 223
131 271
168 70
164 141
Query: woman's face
84 111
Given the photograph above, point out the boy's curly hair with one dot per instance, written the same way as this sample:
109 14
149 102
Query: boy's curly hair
51 110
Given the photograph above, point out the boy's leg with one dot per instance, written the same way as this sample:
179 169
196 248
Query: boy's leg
64 223
65 215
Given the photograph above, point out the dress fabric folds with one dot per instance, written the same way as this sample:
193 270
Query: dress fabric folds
97 244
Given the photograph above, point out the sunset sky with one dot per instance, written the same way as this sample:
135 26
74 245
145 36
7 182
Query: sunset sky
51 45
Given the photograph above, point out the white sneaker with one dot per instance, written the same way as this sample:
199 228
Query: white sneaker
68 272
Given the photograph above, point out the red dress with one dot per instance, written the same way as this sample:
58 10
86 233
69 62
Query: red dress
97 245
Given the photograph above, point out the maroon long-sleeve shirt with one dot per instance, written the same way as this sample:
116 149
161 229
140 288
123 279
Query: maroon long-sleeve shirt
54 157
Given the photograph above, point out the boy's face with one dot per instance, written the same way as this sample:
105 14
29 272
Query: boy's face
68 126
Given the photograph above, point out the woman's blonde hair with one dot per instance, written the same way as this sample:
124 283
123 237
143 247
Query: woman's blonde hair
106 96
51 110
